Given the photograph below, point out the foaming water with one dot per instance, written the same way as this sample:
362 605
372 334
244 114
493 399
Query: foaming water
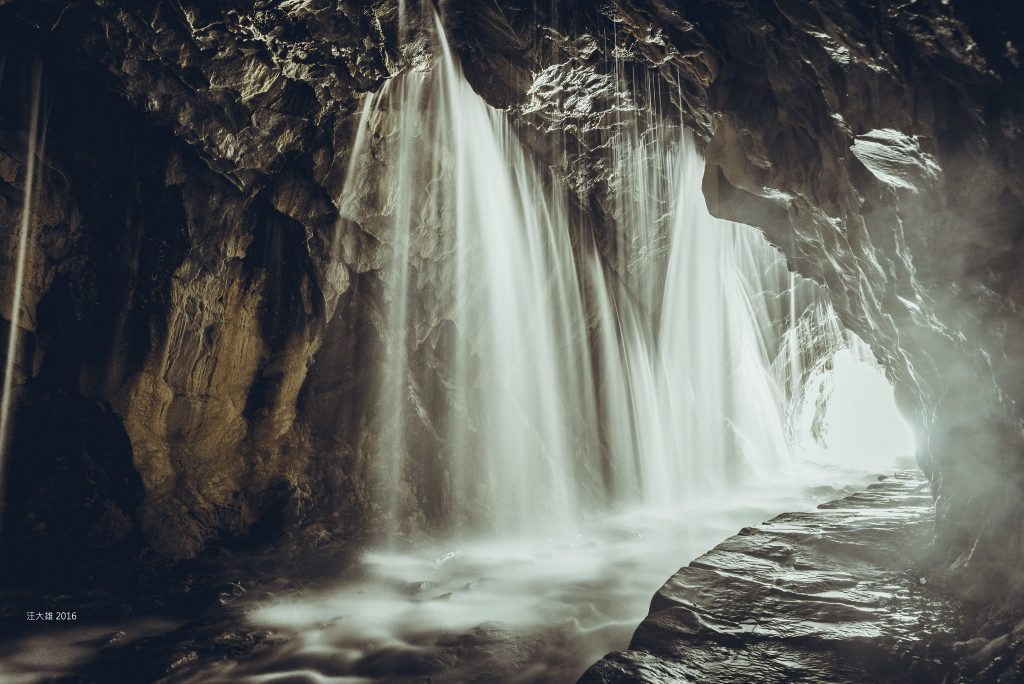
492 610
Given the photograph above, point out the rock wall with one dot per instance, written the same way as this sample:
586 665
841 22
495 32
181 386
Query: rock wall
181 265
217 298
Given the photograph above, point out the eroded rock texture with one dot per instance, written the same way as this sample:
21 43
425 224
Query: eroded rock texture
193 274
831 595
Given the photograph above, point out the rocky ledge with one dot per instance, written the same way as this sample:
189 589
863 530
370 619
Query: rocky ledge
836 594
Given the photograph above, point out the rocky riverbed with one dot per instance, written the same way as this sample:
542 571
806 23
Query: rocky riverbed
492 610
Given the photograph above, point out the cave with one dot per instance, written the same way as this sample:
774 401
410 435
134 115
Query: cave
598 341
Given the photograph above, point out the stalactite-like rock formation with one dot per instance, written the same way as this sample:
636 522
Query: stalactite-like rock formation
194 276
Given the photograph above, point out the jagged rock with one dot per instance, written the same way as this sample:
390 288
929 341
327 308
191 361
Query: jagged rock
896 159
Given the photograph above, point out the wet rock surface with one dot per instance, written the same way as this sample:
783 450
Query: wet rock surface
843 593
144 617
848 592
183 299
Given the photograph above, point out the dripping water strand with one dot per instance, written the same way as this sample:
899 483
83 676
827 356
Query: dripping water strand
6 400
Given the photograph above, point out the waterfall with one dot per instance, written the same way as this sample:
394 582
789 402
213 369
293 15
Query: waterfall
563 398
527 375
792 375
6 399
485 390
713 341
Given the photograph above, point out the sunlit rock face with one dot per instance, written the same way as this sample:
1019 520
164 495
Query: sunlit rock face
878 146
166 277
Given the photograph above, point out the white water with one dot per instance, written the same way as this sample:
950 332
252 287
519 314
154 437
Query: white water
527 381
485 358
7 396
708 373
502 610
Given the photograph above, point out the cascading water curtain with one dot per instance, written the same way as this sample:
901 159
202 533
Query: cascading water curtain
527 378
486 399
33 148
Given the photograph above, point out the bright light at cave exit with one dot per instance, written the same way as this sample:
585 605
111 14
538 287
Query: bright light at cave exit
861 424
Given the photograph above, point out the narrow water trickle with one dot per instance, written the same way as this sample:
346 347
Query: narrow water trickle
7 397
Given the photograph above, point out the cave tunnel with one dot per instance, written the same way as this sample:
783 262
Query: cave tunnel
619 341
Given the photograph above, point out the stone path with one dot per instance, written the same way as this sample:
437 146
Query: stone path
833 595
